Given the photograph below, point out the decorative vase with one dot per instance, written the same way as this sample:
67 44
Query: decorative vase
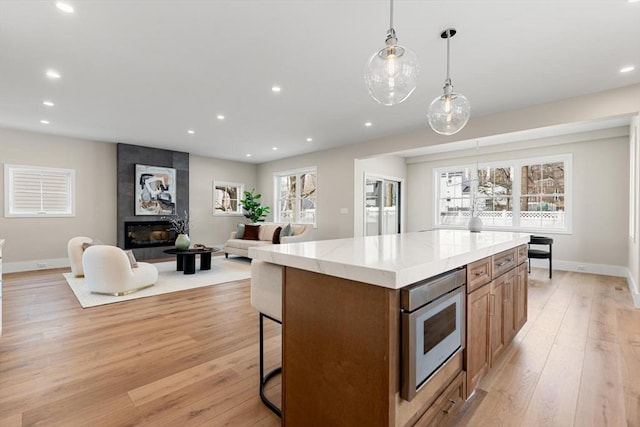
182 242
475 224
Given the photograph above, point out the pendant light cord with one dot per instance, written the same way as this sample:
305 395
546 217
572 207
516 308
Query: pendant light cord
448 38
391 15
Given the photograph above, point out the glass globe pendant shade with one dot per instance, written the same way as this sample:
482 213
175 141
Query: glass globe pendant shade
449 113
391 74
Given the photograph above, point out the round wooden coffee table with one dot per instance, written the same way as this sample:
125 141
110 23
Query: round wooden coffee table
186 259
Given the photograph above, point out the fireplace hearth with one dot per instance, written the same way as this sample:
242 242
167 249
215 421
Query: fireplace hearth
148 234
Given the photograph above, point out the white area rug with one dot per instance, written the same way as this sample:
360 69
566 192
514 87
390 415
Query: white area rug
169 280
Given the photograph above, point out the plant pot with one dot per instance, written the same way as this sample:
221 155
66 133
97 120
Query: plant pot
475 224
182 242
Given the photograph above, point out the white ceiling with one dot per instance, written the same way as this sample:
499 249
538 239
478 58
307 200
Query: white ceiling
145 71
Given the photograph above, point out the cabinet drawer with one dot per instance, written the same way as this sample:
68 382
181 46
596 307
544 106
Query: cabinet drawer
504 261
478 274
522 253
446 406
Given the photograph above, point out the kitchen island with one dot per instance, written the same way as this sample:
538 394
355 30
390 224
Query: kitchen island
341 322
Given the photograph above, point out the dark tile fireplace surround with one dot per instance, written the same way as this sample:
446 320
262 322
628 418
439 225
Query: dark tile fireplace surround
147 235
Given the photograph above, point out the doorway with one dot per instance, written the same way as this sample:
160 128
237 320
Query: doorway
382 206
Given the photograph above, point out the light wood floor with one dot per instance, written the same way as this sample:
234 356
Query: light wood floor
190 358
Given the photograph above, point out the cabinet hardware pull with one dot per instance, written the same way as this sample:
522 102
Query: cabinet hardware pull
479 273
492 309
505 262
452 403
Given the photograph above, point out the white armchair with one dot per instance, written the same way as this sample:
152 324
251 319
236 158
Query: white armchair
75 251
107 270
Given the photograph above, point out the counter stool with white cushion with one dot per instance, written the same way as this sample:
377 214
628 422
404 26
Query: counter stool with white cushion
266 297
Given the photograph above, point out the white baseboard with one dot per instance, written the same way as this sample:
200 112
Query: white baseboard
582 267
41 264
633 289
605 270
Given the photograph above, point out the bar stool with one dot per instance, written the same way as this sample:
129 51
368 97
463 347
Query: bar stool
540 253
266 297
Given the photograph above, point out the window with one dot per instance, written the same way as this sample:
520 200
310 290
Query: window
226 198
526 194
37 191
295 193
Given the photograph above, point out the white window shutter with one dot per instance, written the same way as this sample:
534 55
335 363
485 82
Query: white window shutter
35 191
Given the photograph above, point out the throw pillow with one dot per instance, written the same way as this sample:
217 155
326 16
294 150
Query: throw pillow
286 231
251 232
132 259
276 236
240 231
86 245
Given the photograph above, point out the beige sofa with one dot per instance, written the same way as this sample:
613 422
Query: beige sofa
301 233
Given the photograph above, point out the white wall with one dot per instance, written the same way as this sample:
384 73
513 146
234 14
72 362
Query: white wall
211 229
634 242
30 241
334 185
34 241
383 166
600 191
336 169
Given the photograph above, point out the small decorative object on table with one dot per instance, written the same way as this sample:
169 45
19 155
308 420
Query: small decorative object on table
182 227
477 206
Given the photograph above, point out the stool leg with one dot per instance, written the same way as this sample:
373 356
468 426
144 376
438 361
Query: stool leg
529 265
264 379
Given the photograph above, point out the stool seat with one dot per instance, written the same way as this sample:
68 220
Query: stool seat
540 253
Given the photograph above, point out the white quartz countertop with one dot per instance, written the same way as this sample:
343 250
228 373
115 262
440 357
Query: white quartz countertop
394 260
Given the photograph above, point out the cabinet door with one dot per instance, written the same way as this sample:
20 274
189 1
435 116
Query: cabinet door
478 332
508 319
496 315
520 297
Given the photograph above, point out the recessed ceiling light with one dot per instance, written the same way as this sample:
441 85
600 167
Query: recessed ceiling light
65 7
627 69
53 74
276 88
368 124
248 155
191 131
220 117
48 103
274 148
45 122
633 1
309 139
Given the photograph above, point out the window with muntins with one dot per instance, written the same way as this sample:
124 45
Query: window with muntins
296 196
38 191
525 194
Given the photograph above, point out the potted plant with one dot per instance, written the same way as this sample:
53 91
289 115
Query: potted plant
182 227
252 206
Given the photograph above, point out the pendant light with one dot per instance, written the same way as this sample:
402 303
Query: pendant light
450 112
392 72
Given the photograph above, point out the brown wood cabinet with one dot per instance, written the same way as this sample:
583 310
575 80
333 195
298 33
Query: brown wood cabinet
496 311
521 296
508 324
446 406
477 351
497 297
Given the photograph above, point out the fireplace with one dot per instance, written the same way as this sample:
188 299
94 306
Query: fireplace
148 234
